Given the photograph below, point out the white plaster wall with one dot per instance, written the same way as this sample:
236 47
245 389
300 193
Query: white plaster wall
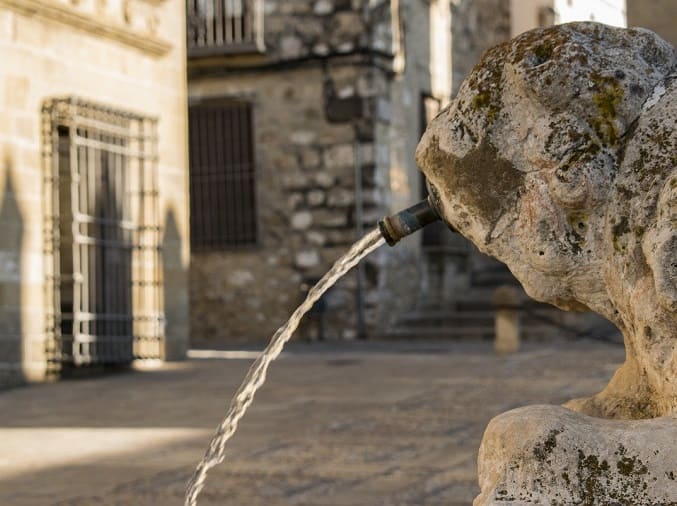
610 12
524 13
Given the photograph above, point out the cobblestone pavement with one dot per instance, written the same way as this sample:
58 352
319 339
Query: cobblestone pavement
360 424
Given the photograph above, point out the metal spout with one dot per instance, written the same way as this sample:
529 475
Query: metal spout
406 222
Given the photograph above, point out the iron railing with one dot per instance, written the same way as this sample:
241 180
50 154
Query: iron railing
219 27
102 235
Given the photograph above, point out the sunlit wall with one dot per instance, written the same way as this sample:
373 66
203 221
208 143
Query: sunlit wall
528 14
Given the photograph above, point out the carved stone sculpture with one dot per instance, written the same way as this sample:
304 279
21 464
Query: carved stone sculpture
559 157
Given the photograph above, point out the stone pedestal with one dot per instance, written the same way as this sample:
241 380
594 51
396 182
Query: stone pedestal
552 455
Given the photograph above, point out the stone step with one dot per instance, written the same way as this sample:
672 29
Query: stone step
531 332
493 279
457 321
441 332
474 318
451 318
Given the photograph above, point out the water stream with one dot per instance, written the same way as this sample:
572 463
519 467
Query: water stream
256 375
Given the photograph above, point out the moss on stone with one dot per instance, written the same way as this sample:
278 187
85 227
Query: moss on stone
607 97
544 50
619 229
488 184
609 94
482 99
577 220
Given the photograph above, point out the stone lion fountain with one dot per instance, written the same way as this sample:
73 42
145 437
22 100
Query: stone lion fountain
559 158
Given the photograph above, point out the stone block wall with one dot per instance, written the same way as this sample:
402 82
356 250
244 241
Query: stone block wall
306 206
329 104
128 55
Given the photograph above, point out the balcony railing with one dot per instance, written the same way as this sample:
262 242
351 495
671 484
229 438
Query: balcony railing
218 27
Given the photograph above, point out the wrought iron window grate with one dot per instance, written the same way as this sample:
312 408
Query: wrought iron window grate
222 176
102 235
224 27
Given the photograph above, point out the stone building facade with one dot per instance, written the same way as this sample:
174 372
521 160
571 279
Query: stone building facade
337 91
93 217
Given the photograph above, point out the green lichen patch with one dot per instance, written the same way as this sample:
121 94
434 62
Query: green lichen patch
608 95
577 220
544 50
530 49
538 46
486 82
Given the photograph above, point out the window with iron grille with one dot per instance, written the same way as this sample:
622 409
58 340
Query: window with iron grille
102 231
222 176
224 27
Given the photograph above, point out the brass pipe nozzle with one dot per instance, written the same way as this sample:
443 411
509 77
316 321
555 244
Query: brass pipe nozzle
406 222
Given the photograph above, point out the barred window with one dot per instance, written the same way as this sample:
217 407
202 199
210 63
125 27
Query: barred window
103 237
222 176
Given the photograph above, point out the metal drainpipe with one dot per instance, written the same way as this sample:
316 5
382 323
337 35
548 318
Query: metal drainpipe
359 230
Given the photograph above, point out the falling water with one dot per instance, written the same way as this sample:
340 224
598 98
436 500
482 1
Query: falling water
256 375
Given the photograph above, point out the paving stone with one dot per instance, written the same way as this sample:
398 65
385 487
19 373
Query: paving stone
395 423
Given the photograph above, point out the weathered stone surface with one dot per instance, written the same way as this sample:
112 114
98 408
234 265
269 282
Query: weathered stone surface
291 47
310 158
315 198
294 200
303 137
306 259
562 457
313 121
558 158
340 155
240 277
316 238
301 220
340 197
324 180
323 7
